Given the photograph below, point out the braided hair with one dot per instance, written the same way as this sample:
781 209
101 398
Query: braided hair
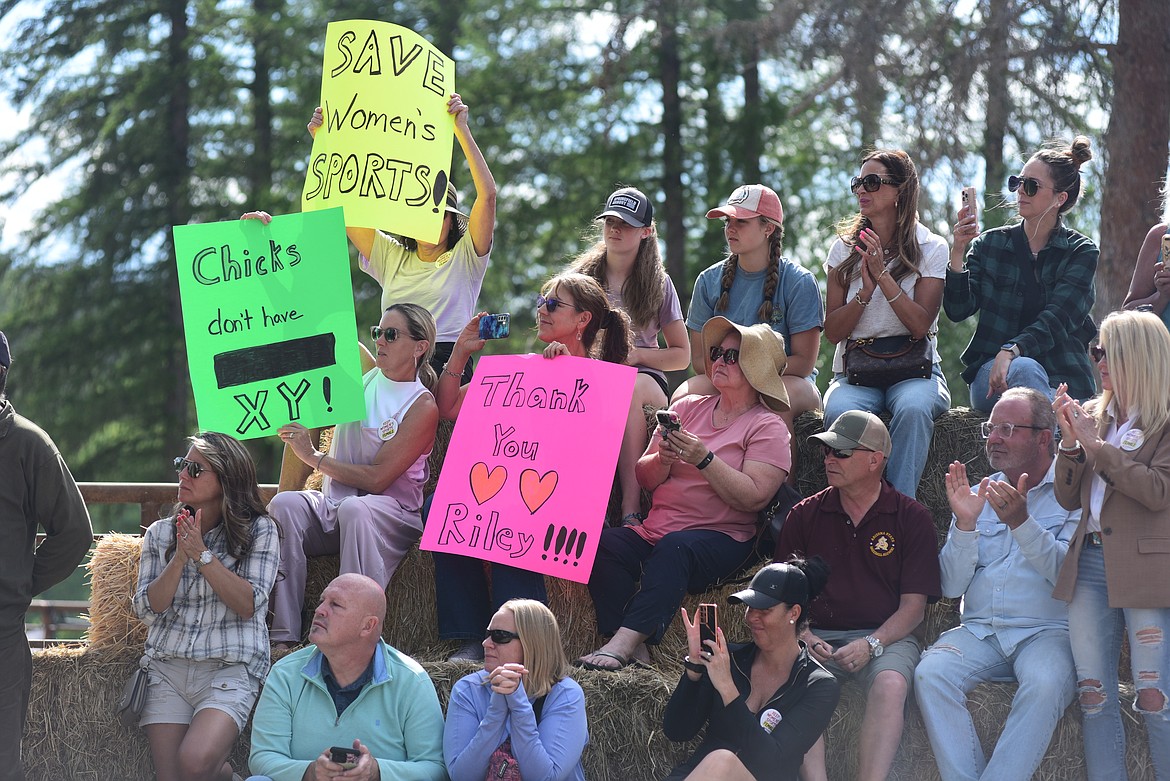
731 265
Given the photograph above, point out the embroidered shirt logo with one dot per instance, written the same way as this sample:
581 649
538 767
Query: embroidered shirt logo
881 544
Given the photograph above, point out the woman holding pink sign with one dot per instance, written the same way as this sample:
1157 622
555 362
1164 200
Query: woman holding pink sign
573 317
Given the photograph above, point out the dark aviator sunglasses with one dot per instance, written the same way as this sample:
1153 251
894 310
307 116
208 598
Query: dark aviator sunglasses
194 469
1029 185
501 636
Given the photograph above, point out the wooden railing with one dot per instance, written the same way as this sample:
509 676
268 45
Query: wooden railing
153 500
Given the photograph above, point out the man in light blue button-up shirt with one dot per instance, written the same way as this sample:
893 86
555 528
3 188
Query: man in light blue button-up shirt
1007 541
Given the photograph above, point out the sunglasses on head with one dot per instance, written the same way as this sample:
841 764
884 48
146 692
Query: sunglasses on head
1097 353
1029 185
843 453
194 469
551 304
870 182
377 332
730 356
502 636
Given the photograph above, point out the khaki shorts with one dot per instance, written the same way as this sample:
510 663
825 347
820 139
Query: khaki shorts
180 688
901 657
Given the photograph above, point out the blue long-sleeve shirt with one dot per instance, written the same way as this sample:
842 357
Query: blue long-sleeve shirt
479 720
1006 577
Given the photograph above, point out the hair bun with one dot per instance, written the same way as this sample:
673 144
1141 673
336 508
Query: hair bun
1080 151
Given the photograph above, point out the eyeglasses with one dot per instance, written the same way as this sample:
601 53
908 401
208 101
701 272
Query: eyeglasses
1098 354
551 304
378 332
987 428
846 453
1029 185
194 469
502 636
871 182
730 356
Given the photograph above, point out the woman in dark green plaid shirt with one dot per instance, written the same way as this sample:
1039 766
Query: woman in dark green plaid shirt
1031 283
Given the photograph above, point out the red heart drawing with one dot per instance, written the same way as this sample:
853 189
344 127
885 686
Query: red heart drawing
485 484
535 490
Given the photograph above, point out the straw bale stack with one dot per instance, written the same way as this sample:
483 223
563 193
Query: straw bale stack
113 577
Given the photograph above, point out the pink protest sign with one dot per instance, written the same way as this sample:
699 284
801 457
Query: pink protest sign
527 475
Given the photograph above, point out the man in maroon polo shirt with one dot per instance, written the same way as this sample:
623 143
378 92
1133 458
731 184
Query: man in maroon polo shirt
882 549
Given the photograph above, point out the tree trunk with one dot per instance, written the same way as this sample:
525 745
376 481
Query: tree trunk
260 161
999 106
176 185
674 201
1136 139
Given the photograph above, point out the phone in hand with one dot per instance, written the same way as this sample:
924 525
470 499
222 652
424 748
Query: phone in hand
970 201
496 326
1166 247
668 419
346 757
708 620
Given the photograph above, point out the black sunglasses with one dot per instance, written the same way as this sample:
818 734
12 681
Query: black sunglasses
377 331
502 636
194 469
551 304
870 182
730 356
1098 354
1029 185
846 453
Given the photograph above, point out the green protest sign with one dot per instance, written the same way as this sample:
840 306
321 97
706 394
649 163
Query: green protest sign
384 152
269 321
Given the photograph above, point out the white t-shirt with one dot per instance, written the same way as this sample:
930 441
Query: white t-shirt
879 319
448 288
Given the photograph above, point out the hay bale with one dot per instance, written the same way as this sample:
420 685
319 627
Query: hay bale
113 577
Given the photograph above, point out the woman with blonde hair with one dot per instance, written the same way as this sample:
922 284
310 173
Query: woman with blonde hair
1114 465
203 583
627 264
522 710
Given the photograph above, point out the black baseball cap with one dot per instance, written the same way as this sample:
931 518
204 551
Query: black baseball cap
772 585
630 205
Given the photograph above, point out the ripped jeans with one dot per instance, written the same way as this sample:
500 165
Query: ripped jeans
1096 632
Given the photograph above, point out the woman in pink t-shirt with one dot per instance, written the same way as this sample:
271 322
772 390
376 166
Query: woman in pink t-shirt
710 477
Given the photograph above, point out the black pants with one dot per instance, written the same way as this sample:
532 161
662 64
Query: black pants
15 683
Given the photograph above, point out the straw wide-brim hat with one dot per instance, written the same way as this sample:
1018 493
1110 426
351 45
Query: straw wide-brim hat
761 357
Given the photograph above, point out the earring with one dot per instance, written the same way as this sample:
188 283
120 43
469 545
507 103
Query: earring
578 335
792 620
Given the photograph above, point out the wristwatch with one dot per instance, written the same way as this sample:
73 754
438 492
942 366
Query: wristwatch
1014 349
204 559
876 648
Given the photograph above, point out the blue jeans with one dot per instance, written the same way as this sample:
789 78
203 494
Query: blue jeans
1022 373
1096 643
913 406
957 663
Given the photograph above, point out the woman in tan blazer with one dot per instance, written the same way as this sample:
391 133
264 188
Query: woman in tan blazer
1114 464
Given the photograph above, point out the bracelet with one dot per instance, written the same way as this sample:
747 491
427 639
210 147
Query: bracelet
450 373
1076 446
693 666
319 460
858 299
707 459
895 298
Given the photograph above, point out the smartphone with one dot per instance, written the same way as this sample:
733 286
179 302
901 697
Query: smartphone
496 326
668 419
708 620
1166 247
970 201
346 757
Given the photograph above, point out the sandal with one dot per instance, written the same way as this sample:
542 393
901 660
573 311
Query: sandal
623 663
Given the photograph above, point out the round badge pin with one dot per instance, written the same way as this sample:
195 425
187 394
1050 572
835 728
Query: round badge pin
1133 439
770 719
388 429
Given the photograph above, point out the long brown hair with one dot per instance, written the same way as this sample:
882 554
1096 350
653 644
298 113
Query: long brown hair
904 243
613 324
731 265
642 292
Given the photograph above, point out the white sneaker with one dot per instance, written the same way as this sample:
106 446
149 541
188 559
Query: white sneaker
470 651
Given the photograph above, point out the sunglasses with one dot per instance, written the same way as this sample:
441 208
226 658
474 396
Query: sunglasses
551 304
730 356
377 332
871 183
987 428
1029 185
193 468
846 453
502 636
1098 354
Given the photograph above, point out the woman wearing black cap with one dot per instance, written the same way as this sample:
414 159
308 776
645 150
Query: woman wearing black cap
764 703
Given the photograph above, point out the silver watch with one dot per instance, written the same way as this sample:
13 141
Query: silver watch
876 648
204 559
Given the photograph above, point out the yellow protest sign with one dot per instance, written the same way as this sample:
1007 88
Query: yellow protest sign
384 152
